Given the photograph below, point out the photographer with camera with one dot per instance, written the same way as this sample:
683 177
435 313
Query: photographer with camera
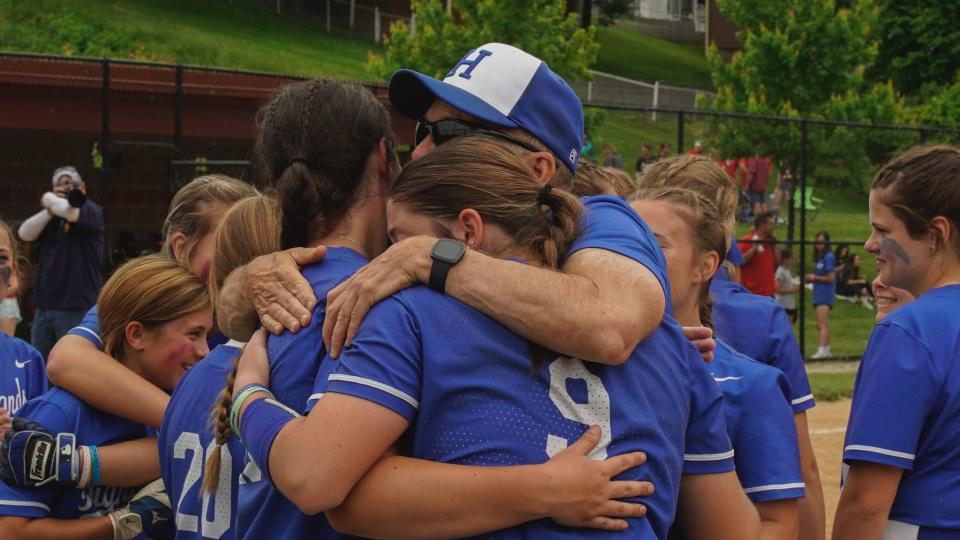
70 234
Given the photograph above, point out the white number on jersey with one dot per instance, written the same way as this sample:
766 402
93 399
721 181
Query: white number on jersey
221 514
596 411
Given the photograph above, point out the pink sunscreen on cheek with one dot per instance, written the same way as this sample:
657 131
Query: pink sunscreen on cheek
187 351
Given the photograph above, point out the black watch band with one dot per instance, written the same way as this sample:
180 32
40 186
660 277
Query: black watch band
445 254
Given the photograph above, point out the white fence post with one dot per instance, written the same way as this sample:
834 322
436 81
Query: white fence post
413 24
328 15
376 24
353 12
589 91
656 98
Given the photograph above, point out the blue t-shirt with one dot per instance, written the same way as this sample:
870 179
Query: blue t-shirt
22 373
756 400
906 406
264 512
757 327
464 381
89 329
186 440
824 292
74 246
60 411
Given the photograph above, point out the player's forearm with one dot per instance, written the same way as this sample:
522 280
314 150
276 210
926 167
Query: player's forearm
235 314
778 520
14 528
585 312
78 366
129 464
858 522
812 512
450 501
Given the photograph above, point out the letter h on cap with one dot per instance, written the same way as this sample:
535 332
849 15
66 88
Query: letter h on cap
471 64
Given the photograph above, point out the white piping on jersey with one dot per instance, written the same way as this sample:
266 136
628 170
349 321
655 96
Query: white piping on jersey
800 400
312 397
379 386
725 379
899 530
235 344
883 451
774 487
88 331
708 457
24 503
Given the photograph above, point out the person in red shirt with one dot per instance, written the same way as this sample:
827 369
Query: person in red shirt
759 256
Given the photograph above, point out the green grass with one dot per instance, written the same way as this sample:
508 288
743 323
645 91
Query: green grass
646 58
238 35
831 386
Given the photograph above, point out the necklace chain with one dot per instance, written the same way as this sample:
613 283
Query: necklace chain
350 239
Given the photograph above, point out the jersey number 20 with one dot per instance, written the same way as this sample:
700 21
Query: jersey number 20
596 411
221 515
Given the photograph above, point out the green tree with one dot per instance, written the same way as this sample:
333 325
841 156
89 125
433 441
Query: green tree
541 27
943 109
920 43
803 58
611 10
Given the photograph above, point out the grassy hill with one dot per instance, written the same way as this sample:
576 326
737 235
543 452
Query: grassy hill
646 58
235 35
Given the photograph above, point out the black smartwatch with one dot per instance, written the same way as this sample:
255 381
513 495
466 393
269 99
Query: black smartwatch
445 254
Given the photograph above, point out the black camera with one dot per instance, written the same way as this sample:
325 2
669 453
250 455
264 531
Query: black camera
76 198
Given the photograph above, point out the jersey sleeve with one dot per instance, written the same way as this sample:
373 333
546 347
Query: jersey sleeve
384 361
767 451
608 223
707 447
89 328
784 354
327 367
829 263
892 397
734 255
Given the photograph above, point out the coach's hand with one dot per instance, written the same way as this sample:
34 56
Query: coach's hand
402 265
581 492
702 339
276 289
32 457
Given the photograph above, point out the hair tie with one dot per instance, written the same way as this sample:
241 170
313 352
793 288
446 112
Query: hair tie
300 160
543 197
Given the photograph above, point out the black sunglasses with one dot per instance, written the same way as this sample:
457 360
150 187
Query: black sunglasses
446 129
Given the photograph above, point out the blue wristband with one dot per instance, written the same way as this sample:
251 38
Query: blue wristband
262 421
94 466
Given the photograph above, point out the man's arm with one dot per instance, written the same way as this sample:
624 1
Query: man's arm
865 501
32 227
598 309
79 366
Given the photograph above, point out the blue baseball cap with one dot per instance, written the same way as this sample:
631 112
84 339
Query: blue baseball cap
504 86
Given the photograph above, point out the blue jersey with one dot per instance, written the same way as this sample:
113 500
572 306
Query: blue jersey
60 411
186 440
906 403
465 383
757 327
89 329
824 293
22 373
264 512
756 400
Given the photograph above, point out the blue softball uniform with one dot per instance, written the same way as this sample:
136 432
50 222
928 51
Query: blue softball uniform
823 292
89 329
905 411
22 373
264 512
757 327
186 440
60 411
472 400
756 402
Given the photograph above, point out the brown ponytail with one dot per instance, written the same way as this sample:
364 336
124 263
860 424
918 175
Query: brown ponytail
484 173
248 230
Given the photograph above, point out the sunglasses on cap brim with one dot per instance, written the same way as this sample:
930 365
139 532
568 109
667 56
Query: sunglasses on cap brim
446 129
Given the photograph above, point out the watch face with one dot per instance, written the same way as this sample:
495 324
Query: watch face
448 251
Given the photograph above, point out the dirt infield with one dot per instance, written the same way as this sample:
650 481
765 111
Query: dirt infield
828 422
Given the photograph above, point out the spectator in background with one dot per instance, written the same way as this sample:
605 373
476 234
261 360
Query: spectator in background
9 260
786 287
70 234
611 158
852 284
841 254
786 185
664 151
823 278
588 151
758 171
697 149
759 256
645 160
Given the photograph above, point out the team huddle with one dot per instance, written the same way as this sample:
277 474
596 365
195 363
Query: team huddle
495 340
